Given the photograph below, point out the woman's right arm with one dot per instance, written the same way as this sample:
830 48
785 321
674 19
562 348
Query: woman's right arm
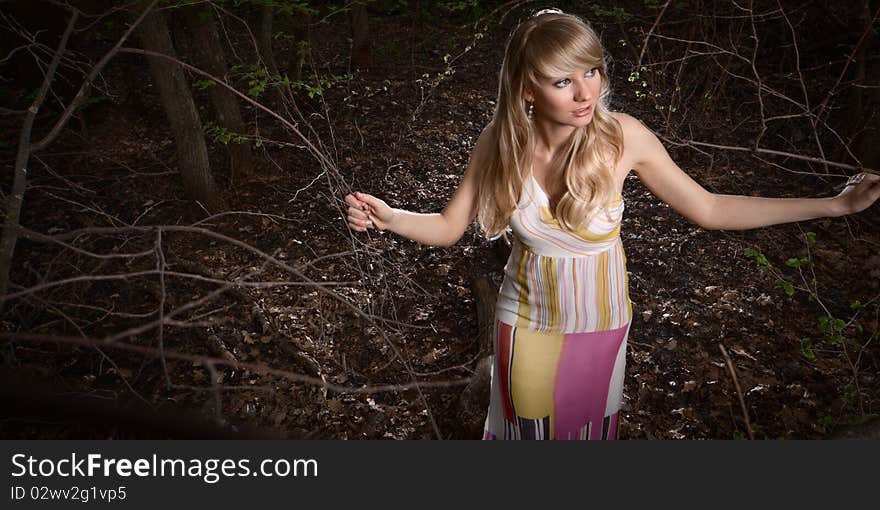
435 229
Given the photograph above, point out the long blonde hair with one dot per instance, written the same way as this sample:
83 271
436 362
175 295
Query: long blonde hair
544 46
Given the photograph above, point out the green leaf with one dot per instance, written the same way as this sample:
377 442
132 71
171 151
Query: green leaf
849 393
824 324
203 84
758 256
807 349
787 287
796 262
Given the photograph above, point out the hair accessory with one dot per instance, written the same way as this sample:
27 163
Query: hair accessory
531 110
547 11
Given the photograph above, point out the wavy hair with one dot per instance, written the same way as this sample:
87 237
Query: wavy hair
541 47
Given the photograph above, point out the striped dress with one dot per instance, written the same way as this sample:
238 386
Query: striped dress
562 319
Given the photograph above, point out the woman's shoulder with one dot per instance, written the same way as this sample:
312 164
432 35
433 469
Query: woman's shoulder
488 129
484 147
486 139
630 125
636 136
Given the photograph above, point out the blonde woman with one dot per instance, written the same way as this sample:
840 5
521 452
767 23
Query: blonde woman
551 166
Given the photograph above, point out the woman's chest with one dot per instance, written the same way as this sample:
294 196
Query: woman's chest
552 184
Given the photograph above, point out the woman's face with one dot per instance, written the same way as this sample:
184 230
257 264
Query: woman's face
567 100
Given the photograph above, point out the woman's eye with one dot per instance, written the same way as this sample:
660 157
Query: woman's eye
562 83
591 72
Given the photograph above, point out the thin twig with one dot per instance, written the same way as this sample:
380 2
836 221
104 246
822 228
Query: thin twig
650 32
742 402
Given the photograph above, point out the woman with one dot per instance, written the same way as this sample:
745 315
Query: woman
551 166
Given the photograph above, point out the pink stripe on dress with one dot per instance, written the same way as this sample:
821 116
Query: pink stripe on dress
583 378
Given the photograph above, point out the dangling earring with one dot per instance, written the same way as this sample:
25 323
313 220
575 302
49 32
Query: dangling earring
531 110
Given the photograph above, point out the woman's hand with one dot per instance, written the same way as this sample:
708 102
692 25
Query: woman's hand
366 211
860 192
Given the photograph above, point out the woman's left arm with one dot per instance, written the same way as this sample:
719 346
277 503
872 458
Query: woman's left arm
712 211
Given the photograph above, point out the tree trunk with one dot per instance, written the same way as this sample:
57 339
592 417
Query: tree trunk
361 52
267 53
180 109
264 39
15 199
303 37
208 52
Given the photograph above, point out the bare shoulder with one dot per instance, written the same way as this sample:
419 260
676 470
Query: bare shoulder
484 141
638 140
488 132
632 127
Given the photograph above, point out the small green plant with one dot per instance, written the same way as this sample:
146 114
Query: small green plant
223 135
832 329
760 258
204 84
317 85
257 78
839 332
641 85
807 349
428 83
849 394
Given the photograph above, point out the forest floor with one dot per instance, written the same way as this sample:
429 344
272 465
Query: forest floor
692 290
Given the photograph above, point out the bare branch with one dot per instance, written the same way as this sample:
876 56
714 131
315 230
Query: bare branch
257 368
87 83
651 31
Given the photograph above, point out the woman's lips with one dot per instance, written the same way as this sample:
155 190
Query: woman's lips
583 112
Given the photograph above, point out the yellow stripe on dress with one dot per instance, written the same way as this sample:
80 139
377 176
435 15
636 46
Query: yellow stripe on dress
522 279
602 300
561 281
582 231
551 293
533 371
629 306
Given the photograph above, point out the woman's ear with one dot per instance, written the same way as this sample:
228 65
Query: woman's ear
528 95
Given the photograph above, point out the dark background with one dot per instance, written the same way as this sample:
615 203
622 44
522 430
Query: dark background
183 268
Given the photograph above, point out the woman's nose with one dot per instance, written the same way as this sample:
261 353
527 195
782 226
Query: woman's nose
581 92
